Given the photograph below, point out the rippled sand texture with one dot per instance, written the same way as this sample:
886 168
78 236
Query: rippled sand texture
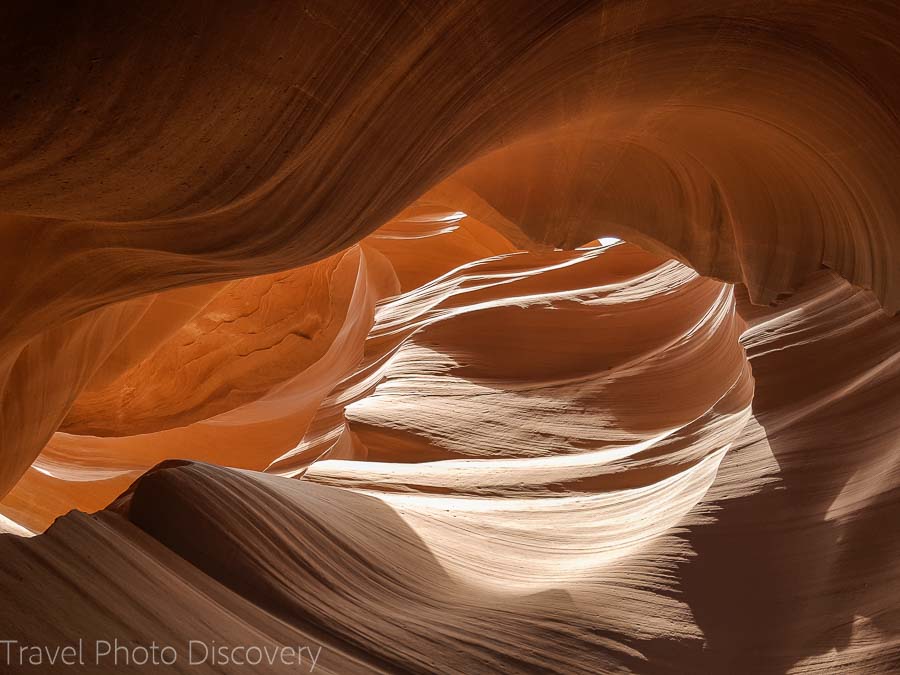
303 303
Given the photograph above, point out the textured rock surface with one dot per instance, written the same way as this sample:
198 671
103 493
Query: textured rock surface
304 303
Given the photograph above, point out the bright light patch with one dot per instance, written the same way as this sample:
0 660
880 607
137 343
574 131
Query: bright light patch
439 217
608 241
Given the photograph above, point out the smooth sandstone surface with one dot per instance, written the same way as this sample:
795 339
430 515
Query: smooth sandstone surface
305 321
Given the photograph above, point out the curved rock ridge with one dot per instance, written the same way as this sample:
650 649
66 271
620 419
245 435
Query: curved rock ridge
229 373
584 537
324 312
626 544
564 581
169 148
234 380
458 369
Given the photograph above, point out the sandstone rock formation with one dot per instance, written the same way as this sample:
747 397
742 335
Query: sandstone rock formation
306 322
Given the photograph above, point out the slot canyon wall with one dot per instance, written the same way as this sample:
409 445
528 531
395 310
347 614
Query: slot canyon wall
307 336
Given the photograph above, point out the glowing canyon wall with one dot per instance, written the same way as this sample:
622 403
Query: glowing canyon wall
307 337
